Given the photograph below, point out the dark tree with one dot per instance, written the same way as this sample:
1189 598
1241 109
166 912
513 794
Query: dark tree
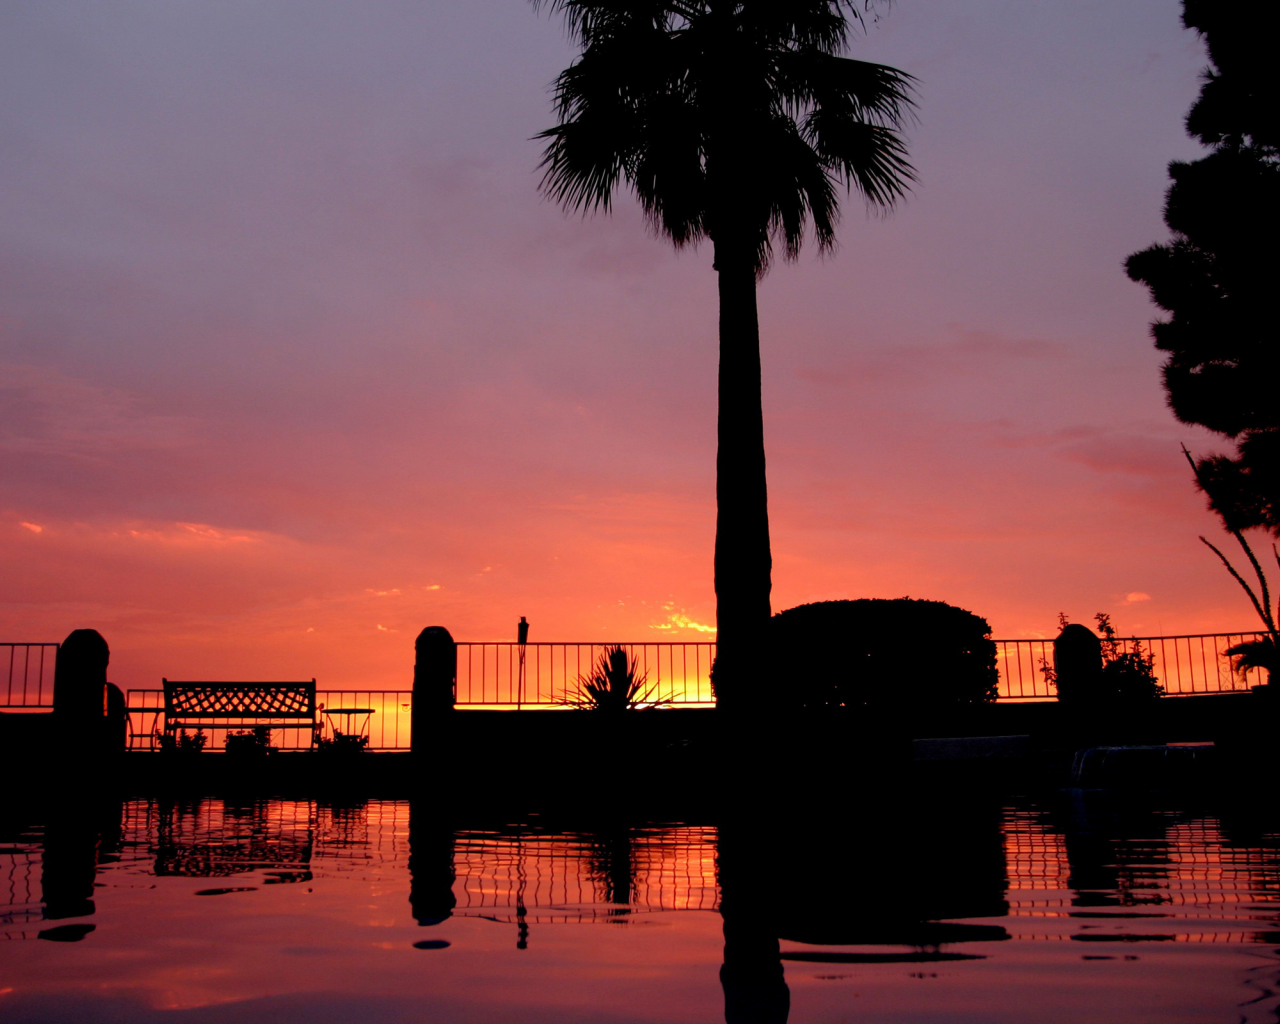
1217 278
738 122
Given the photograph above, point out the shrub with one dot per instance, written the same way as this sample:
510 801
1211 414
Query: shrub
255 741
342 743
1126 675
1092 670
182 742
883 654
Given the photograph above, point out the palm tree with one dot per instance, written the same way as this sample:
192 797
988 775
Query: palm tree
739 122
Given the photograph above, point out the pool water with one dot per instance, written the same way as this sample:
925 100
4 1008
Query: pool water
1073 907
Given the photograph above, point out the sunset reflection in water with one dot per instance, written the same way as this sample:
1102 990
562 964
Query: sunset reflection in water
1077 908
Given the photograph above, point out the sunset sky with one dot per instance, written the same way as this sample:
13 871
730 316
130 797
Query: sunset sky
294 360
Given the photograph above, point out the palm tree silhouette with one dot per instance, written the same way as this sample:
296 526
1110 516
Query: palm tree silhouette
739 122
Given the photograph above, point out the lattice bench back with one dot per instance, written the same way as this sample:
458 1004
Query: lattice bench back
213 704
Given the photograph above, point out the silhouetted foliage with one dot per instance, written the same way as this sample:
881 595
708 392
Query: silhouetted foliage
1090 669
1217 278
182 742
883 654
615 683
1239 104
1126 675
738 123
1255 654
252 742
1250 653
342 743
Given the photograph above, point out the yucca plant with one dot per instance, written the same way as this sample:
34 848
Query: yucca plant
615 683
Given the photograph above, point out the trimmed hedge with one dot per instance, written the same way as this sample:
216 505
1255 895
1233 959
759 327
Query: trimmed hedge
885 654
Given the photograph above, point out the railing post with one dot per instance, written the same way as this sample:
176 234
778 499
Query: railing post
435 675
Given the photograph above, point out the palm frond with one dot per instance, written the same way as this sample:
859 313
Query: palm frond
733 121
876 93
1255 654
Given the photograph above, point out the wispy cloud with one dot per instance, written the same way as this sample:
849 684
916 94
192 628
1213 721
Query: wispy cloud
920 365
677 620
189 533
46 412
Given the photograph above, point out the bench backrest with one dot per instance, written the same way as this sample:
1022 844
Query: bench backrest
239 700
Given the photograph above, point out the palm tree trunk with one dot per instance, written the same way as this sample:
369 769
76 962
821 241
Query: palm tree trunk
743 564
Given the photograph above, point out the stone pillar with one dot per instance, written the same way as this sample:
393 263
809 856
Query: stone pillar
1077 663
89 713
435 674
80 679
80 695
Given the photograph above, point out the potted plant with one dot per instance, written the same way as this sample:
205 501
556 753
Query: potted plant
181 743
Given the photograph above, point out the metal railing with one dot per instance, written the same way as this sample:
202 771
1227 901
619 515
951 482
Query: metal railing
509 675
493 676
29 676
1183 665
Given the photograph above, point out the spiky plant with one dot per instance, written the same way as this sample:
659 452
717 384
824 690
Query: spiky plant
615 683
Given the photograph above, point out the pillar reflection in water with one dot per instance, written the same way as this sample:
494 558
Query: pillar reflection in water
431 873
80 835
1100 835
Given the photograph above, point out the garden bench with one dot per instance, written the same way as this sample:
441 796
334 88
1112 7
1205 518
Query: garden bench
206 705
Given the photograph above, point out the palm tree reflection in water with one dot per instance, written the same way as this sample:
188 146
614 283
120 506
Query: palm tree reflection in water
755 990
900 876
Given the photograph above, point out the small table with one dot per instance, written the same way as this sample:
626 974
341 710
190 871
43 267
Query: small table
349 715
